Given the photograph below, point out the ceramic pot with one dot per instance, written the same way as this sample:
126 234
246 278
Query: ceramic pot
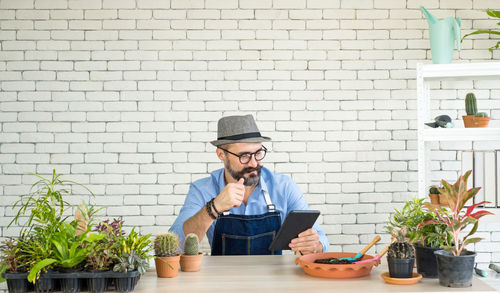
191 263
400 267
471 121
455 271
167 267
426 260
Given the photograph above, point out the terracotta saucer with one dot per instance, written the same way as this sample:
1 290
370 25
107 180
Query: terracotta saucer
401 281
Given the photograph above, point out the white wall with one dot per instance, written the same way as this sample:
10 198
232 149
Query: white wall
124 95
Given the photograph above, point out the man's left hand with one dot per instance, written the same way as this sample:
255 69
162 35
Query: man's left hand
307 242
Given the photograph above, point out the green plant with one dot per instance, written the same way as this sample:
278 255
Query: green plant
101 256
482 114
411 217
492 13
400 248
457 218
433 190
131 261
140 244
9 255
191 244
470 104
166 244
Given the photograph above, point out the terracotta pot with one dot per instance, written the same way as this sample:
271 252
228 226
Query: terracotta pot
191 263
163 270
471 121
434 198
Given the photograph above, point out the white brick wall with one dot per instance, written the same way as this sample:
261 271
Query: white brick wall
125 95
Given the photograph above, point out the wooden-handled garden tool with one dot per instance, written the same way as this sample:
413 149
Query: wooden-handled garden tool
363 251
378 256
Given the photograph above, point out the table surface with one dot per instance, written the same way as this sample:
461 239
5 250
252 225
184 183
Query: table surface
280 274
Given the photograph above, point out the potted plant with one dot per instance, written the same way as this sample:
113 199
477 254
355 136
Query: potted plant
434 194
11 264
400 256
455 264
492 13
426 239
167 258
191 258
474 118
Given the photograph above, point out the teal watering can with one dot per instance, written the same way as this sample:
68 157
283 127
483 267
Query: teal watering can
443 34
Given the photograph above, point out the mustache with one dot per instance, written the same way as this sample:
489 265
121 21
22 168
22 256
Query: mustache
251 169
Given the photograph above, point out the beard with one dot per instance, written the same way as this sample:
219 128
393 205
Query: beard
253 180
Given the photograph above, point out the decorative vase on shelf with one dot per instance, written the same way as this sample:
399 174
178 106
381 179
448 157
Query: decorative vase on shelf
443 33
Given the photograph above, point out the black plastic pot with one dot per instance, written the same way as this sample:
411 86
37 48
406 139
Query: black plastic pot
70 285
426 261
455 271
127 283
45 284
97 285
400 267
16 282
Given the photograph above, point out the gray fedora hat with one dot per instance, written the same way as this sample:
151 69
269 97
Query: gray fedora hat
233 129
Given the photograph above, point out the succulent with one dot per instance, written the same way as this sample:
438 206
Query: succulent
482 114
166 244
433 190
191 244
400 248
470 104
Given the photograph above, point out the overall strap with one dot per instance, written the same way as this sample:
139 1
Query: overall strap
270 206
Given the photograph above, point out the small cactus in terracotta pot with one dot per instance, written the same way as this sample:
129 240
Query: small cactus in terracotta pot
473 118
401 255
167 258
191 258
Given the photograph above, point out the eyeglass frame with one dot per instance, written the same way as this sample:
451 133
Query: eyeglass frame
251 154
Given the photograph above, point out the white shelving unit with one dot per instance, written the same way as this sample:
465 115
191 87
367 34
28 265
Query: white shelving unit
427 73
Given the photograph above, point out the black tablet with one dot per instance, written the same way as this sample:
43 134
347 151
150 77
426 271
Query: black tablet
295 223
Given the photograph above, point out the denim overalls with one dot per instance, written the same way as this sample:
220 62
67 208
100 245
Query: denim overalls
246 234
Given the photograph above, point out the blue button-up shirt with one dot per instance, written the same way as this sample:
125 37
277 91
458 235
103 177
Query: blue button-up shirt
282 190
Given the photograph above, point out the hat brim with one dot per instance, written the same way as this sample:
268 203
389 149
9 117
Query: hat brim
250 139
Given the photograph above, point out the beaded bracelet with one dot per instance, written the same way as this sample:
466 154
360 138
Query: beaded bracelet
209 211
212 201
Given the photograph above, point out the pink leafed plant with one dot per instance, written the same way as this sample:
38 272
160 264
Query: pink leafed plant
457 217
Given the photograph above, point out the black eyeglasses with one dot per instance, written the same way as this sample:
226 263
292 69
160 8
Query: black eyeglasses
247 157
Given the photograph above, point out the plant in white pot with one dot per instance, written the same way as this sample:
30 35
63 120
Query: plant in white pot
455 263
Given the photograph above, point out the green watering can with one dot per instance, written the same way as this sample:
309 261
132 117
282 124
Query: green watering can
443 34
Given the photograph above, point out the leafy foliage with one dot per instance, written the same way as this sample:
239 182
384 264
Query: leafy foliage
492 13
412 216
131 261
457 217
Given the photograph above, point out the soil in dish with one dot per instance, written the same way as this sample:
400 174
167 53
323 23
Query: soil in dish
332 261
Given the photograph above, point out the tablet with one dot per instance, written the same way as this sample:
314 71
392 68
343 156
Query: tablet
295 223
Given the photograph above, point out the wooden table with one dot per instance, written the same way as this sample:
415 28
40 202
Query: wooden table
279 274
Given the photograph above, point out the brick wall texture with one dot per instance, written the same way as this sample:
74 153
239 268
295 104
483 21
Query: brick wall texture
124 96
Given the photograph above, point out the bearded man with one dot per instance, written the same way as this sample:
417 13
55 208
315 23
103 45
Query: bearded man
241 207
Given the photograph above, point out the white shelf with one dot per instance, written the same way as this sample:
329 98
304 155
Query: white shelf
461 134
427 73
461 71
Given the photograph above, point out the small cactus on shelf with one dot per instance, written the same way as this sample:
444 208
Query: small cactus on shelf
400 248
433 190
470 104
191 244
166 244
481 114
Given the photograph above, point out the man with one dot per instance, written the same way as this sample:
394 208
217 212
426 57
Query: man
257 199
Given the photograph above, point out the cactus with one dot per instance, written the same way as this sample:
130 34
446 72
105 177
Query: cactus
481 114
166 244
401 248
191 244
433 190
470 104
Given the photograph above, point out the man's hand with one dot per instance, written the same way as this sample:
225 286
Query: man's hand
307 242
231 196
